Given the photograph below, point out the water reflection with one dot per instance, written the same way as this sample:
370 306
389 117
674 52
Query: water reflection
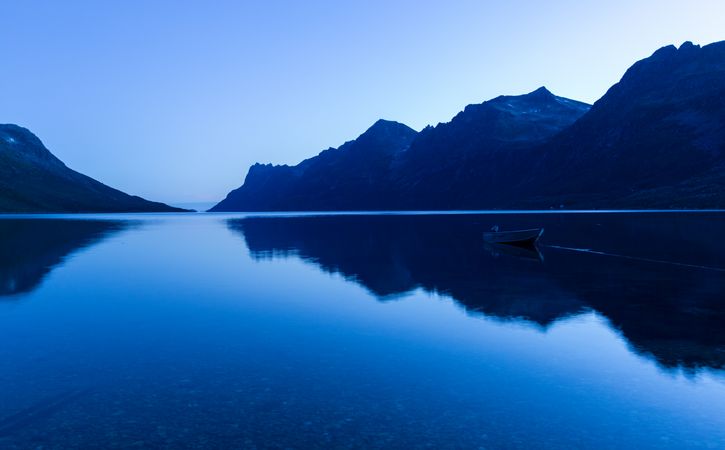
665 297
31 248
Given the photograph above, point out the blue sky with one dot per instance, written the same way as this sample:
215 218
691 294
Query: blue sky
174 100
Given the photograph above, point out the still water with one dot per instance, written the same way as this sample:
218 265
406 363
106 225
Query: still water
359 331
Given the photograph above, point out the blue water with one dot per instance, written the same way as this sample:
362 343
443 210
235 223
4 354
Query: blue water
360 331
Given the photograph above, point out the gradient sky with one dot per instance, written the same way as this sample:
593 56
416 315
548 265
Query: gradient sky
174 100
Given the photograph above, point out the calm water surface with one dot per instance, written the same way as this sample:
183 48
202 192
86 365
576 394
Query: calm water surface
359 331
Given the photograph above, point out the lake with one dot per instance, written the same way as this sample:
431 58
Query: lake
362 330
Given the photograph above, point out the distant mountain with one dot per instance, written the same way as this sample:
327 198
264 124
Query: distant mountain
356 173
656 139
32 180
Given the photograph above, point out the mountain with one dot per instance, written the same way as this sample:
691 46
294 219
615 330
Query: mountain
32 180
356 173
390 166
463 164
655 139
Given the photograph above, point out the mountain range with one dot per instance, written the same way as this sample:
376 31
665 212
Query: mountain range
656 139
33 180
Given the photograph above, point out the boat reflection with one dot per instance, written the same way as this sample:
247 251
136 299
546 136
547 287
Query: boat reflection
531 253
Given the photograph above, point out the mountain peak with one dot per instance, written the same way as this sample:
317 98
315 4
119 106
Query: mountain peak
533 102
540 96
686 50
664 51
685 69
24 144
671 51
386 132
541 92
382 125
15 134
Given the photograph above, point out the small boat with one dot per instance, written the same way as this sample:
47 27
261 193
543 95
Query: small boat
521 238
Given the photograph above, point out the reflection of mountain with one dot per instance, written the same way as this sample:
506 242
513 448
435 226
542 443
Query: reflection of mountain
675 313
30 248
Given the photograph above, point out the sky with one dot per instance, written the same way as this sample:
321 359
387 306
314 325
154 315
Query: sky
174 100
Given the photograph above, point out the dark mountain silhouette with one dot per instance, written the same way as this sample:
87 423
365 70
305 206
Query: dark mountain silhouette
467 162
390 166
32 248
655 140
663 306
357 172
32 180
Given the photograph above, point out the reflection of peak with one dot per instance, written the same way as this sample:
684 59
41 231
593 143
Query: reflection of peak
652 305
33 247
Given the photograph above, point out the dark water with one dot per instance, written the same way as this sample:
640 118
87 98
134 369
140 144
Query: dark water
395 331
